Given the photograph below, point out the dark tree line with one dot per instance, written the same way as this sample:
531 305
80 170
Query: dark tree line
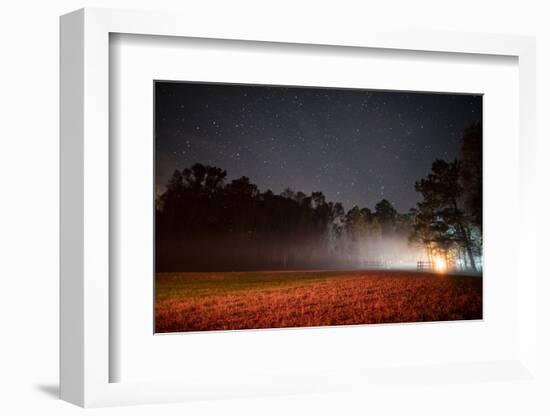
448 220
204 222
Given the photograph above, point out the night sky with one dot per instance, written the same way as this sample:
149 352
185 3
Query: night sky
356 146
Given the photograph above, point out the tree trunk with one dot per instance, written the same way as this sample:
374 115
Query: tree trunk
465 236
468 246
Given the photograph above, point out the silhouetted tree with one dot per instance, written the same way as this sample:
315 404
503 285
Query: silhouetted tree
204 223
440 217
448 220
471 171
386 215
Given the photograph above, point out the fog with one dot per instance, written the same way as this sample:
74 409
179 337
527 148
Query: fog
391 252
245 253
203 224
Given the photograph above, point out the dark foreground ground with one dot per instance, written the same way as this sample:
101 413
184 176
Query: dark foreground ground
225 301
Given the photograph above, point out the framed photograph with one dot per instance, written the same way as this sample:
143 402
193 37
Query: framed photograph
276 206
271 212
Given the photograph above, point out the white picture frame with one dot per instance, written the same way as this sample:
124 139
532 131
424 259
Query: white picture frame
85 217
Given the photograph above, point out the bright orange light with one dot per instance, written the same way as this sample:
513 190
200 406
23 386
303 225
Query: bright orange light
440 265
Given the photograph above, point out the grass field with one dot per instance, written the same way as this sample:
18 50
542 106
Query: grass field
226 301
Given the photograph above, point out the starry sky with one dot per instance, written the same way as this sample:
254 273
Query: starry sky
356 146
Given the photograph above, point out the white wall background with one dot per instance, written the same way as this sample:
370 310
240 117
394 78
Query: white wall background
29 199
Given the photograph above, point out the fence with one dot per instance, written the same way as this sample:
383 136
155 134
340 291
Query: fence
375 264
424 266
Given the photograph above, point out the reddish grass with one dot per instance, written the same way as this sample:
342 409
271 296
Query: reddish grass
301 299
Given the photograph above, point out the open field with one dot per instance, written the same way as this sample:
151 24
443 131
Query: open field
246 300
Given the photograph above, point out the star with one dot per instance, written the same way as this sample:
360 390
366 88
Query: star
346 143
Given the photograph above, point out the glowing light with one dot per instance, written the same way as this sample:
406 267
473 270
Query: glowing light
440 265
